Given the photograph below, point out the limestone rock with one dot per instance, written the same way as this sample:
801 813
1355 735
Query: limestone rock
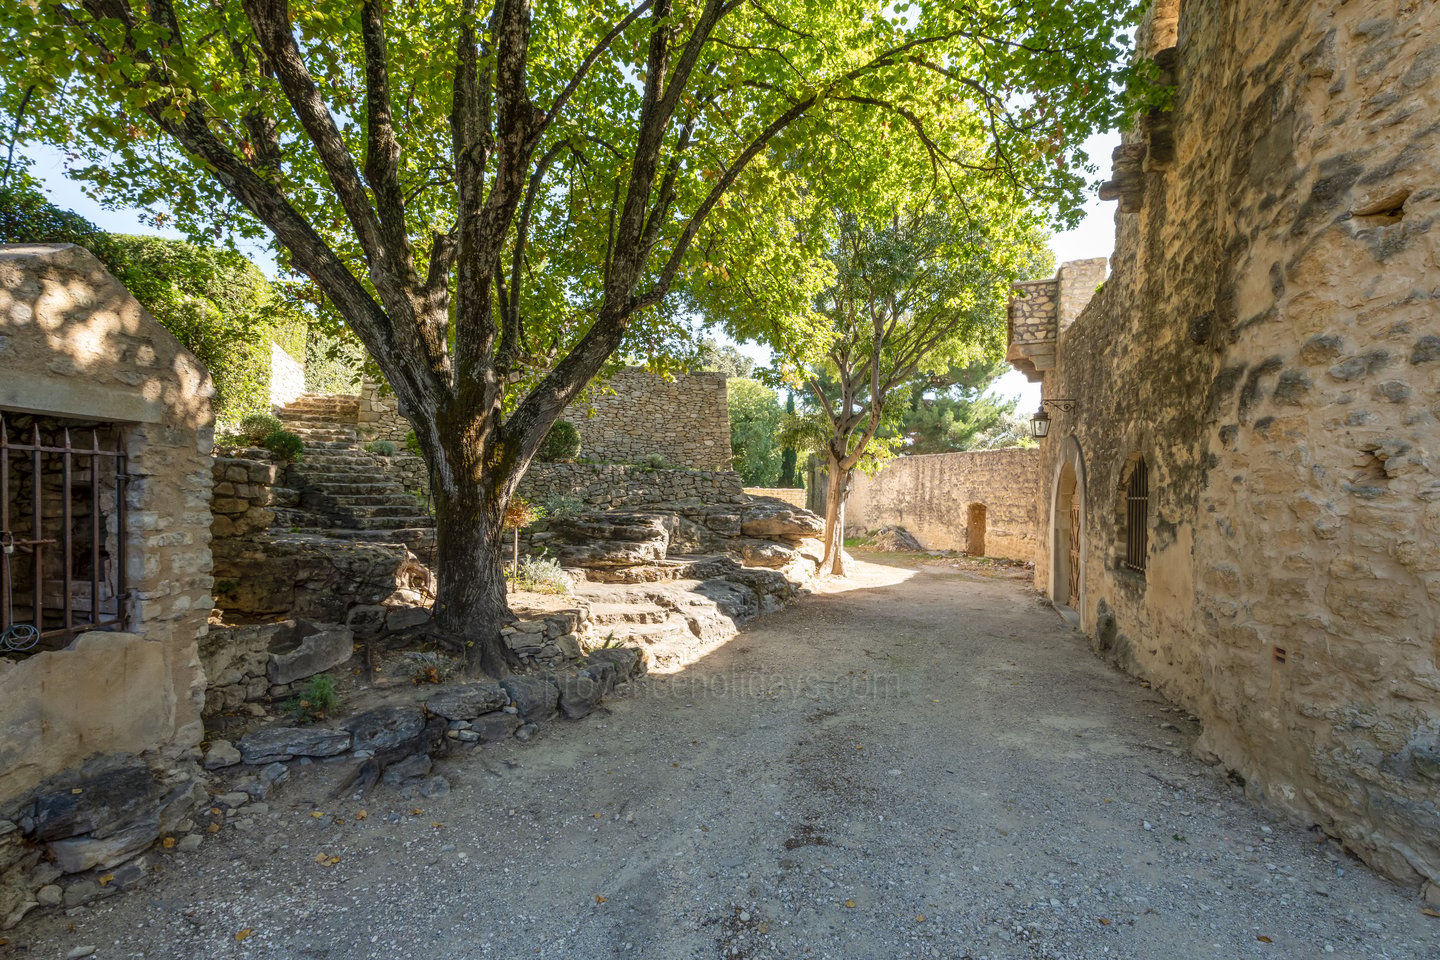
108 795
322 650
385 730
582 690
535 696
895 540
469 701
222 753
627 661
769 517
411 768
49 895
496 726
78 854
271 744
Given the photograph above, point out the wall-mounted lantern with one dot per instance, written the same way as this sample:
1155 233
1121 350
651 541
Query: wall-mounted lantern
1040 423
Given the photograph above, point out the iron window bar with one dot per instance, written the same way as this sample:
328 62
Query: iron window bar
77 464
1137 517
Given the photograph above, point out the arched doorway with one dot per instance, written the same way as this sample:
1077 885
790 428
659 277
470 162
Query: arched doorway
975 530
1067 533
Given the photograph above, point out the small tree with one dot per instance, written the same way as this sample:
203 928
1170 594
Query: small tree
754 417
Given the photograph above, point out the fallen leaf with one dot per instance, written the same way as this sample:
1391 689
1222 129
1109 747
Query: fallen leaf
919 918
437 824
213 828
332 861
600 899
416 812
704 829
1103 921
244 934
214 811
320 857
361 815
674 764
76 790
1264 939
1429 913
106 880
168 842
859 746
597 816
316 814
850 904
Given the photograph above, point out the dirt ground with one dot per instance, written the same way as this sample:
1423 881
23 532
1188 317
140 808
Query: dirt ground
921 762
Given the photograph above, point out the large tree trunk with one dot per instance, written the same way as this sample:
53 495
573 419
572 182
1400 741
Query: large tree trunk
837 489
470 603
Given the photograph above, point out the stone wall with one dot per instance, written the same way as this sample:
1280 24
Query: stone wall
1267 342
795 496
242 497
378 416
945 499
623 485
635 414
287 376
75 344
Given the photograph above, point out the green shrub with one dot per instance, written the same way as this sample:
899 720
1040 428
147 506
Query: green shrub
543 575
561 443
316 700
558 506
412 443
384 448
655 461
255 427
284 445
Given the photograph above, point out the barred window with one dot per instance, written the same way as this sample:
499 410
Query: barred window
1137 516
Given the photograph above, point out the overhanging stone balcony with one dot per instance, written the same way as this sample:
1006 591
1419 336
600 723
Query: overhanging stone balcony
1033 326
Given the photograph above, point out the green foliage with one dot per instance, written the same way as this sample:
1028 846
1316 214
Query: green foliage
255 427
657 461
722 358
542 575
284 446
412 443
215 302
952 412
561 443
558 506
384 448
789 456
754 418
316 700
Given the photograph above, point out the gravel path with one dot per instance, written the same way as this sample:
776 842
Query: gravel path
924 763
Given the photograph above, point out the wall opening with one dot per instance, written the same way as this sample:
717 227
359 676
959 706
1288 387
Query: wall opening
975 530
1066 536
62 531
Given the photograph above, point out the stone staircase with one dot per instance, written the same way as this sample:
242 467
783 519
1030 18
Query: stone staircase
344 491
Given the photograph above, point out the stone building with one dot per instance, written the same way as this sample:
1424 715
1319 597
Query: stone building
105 574
1242 503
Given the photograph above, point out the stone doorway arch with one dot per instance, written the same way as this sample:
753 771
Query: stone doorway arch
975 530
1067 535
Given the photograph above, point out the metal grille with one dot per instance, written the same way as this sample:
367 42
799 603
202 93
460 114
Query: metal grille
62 530
1137 517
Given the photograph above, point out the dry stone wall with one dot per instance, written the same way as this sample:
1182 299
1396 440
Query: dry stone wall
935 497
607 485
635 414
1268 342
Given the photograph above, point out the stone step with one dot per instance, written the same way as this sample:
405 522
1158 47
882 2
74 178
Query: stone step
344 488
401 507
411 522
608 614
331 456
340 475
373 499
672 628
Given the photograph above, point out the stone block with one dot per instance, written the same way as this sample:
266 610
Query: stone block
469 701
534 695
324 649
270 744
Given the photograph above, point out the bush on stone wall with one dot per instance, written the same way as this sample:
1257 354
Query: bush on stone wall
561 443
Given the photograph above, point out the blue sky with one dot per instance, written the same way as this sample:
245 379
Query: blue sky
1095 237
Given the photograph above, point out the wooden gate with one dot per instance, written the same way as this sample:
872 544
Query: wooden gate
1074 599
